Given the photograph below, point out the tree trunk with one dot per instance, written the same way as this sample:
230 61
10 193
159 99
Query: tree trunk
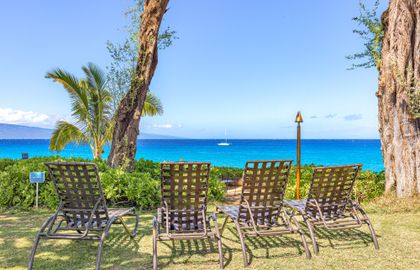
124 141
98 154
399 129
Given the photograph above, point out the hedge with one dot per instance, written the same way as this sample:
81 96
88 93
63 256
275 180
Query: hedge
142 187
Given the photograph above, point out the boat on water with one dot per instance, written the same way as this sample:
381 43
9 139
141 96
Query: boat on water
225 143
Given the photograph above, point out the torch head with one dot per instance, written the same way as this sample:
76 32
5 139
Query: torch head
299 118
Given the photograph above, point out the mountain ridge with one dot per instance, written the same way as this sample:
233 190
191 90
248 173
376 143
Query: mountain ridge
22 132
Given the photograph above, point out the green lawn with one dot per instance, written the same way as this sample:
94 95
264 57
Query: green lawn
398 232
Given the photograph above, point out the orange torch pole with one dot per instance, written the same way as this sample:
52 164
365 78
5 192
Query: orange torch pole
298 120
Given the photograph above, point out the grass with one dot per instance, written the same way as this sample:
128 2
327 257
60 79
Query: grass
398 232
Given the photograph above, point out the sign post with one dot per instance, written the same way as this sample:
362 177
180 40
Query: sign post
37 177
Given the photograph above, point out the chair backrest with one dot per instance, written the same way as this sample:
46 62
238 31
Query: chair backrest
184 187
330 189
264 184
79 189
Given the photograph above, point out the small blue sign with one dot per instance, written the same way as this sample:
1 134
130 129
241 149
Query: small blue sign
37 177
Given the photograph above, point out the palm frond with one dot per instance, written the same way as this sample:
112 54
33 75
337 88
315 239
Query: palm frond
152 106
99 98
65 133
108 131
95 76
70 83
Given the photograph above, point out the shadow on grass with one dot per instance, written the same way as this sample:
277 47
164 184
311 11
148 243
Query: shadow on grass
190 248
338 239
120 251
267 243
342 239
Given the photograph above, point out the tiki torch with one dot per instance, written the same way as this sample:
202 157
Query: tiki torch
298 120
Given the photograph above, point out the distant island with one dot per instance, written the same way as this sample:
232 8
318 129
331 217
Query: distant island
11 131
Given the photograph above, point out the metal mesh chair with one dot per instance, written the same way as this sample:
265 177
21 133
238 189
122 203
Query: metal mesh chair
329 204
261 212
183 213
82 213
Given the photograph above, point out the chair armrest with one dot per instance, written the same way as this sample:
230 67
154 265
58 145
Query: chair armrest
212 217
125 204
254 225
155 222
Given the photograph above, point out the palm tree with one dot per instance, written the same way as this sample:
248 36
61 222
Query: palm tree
92 110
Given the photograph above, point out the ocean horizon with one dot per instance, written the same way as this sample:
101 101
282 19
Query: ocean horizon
314 151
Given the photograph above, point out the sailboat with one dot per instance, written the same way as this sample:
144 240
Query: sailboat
225 143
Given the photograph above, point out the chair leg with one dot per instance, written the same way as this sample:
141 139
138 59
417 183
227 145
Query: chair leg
155 264
219 240
304 243
372 232
37 238
224 225
241 238
367 220
312 233
219 246
99 255
34 247
134 231
101 244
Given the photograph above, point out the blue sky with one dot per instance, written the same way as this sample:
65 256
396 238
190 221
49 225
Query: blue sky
240 65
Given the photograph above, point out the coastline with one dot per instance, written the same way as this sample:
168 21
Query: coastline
314 151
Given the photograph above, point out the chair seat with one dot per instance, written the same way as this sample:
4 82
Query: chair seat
338 217
230 210
298 204
185 221
118 212
79 223
261 221
180 227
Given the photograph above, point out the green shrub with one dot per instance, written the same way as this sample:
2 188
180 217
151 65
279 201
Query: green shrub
227 172
15 189
217 188
4 162
102 166
142 187
148 166
369 185
137 187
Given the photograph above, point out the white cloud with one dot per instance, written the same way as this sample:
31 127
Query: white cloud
166 126
352 117
331 115
15 116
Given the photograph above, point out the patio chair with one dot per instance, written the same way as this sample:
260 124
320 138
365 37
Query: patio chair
82 213
329 204
260 211
183 211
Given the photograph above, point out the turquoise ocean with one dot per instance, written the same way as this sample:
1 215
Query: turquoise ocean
319 152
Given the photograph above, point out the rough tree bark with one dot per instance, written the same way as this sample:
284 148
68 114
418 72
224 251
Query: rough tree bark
399 130
124 141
